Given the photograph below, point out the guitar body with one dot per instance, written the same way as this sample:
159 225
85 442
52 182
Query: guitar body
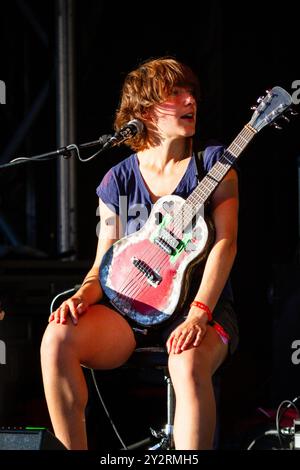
142 276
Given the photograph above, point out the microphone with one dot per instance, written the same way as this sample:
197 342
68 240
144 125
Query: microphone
101 141
129 130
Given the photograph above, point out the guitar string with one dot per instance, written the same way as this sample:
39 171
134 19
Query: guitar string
223 159
137 289
129 289
243 138
140 288
159 267
240 139
138 275
164 259
145 286
157 255
155 252
215 170
123 289
128 282
133 286
203 192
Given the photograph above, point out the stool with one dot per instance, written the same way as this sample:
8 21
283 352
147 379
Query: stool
156 357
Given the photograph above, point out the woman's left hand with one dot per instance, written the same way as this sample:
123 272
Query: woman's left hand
187 335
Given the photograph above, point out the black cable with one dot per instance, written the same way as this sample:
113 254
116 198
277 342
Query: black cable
278 431
106 410
279 416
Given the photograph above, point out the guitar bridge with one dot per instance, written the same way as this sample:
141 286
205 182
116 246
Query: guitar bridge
152 276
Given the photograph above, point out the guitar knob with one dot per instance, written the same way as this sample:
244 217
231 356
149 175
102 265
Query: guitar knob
197 233
190 246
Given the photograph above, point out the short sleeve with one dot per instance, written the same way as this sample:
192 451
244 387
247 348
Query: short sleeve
109 192
212 155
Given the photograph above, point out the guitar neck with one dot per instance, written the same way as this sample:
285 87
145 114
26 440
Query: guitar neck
209 183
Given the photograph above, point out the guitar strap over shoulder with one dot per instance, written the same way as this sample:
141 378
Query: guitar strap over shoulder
199 156
199 159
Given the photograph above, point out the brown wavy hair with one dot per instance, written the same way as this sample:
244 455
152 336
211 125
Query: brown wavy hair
151 83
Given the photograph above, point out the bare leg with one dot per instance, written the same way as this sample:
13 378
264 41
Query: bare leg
102 339
191 373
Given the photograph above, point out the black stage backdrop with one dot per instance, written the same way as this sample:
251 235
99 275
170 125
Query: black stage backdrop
237 56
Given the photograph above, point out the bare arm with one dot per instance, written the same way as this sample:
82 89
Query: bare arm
90 291
222 254
217 267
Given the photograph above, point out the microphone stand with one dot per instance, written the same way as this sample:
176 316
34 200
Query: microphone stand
43 156
62 151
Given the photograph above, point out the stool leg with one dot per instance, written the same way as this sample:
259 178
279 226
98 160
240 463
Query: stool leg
139 444
170 410
166 434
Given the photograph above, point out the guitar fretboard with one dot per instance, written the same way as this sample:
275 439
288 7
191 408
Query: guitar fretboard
209 183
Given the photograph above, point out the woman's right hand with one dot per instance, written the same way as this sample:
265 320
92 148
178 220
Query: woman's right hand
73 307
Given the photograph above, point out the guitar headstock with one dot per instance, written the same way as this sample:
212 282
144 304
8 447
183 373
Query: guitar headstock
270 107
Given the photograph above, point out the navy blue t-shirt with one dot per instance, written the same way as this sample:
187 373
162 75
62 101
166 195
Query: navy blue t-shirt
124 191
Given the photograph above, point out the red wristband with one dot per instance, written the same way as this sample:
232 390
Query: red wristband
204 307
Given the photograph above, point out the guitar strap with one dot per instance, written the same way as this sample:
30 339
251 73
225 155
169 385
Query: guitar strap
199 159
199 156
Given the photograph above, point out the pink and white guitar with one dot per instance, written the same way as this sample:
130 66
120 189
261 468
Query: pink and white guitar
147 275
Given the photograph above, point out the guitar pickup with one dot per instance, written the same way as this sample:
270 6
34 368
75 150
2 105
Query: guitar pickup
152 276
166 241
164 245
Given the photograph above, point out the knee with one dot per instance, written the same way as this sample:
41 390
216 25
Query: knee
184 371
55 343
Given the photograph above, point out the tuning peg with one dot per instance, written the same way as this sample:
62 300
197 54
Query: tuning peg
260 99
285 118
253 108
292 112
